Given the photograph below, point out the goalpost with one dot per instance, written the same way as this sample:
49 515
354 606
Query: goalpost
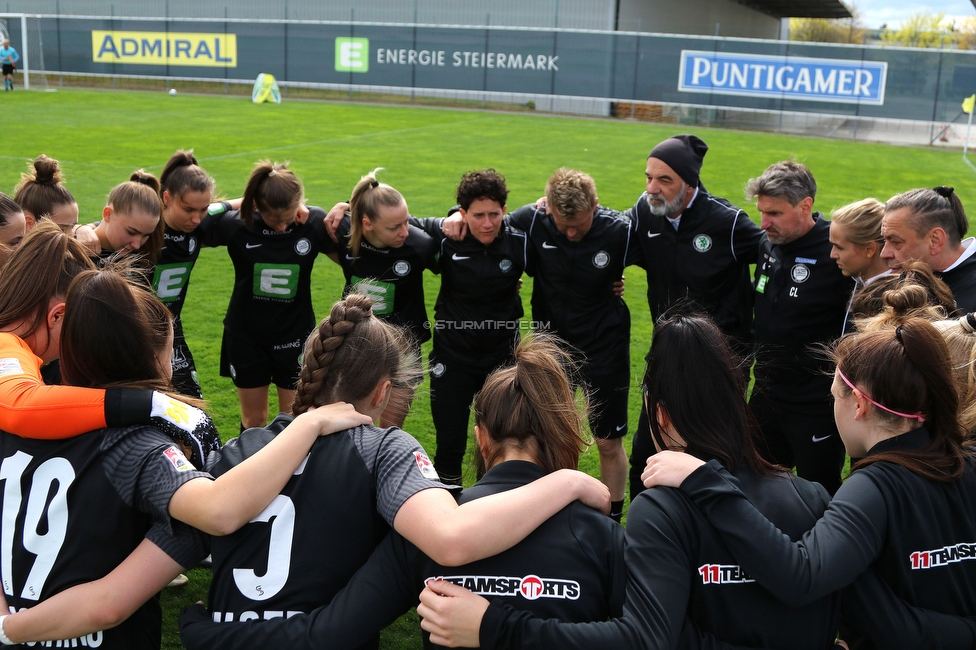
27 47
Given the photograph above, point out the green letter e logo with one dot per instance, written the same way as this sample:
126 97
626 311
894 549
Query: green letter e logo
352 54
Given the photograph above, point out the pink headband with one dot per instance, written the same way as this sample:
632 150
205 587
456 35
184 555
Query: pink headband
858 391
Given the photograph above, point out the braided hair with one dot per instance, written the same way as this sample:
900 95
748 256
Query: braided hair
349 353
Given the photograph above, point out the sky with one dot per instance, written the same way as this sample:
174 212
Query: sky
878 12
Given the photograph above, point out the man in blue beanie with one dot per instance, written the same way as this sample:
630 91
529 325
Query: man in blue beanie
697 249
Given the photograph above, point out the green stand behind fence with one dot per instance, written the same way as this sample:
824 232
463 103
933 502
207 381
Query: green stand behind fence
265 89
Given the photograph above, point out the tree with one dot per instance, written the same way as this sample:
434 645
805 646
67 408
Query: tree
966 33
824 30
922 30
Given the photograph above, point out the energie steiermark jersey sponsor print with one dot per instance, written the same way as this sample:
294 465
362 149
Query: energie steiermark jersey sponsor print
272 297
392 277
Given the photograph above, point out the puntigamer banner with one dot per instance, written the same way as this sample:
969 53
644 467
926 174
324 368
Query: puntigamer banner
792 77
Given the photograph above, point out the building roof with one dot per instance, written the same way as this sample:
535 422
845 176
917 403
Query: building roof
801 8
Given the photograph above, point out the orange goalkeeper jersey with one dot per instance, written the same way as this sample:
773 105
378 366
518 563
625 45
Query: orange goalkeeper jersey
31 409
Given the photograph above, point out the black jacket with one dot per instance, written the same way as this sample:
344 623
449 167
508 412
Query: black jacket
478 308
572 294
705 262
962 281
801 302
685 589
918 535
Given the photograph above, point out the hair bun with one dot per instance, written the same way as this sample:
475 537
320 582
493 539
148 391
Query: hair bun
46 170
944 191
143 177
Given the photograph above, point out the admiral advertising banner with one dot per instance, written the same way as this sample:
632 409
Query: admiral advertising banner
696 71
165 48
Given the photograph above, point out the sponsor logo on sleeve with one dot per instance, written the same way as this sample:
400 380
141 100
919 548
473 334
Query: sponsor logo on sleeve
10 367
423 463
530 587
178 460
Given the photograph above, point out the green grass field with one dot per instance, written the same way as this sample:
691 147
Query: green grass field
101 137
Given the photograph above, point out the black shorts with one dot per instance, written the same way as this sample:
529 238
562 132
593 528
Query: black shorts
608 404
254 365
8 68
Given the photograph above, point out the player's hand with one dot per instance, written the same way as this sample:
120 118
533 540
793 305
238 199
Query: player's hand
451 614
335 417
332 219
185 424
195 613
618 287
589 491
454 227
86 236
541 203
195 617
669 468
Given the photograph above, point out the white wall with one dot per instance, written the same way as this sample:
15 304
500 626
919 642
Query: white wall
696 17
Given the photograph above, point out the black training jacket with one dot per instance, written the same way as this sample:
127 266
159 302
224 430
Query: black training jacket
962 282
801 302
705 262
685 590
918 535
478 308
572 294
